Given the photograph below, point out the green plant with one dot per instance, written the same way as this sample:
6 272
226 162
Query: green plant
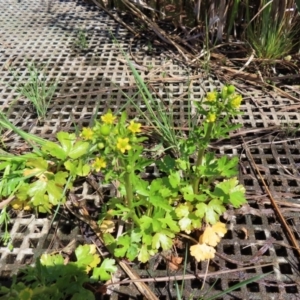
188 197
52 279
4 221
38 90
81 40
40 179
272 30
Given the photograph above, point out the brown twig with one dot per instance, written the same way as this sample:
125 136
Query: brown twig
188 276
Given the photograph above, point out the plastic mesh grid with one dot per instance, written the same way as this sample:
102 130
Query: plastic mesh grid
93 79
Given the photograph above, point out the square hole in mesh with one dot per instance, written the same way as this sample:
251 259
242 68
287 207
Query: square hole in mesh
17 243
285 269
270 161
251 270
240 220
196 284
228 235
246 250
271 220
267 269
33 243
291 289
11 259
272 287
248 182
161 284
228 249
27 259
260 235
22 228
280 251
253 287
256 220
216 283
230 265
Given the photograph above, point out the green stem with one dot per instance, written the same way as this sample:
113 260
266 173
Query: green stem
129 197
200 155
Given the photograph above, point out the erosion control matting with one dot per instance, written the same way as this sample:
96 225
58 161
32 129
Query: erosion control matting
74 44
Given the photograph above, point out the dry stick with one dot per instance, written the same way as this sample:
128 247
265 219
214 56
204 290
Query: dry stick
114 17
273 203
5 202
188 276
158 31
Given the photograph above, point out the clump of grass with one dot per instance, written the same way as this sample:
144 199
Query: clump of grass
271 31
38 90
81 40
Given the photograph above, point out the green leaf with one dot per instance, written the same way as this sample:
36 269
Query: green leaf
132 251
188 192
66 140
163 239
144 254
87 257
183 210
167 164
174 179
214 209
61 178
227 166
185 224
51 260
161 202
55 193
71 166
169 221
201 209
38 163
103 273
123 243
37 187
83 294
55 150
230 191
80 148
146 222
136 235
182 164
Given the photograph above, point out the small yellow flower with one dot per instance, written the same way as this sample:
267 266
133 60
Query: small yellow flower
211 96
211 117
235 102
134 127
99 164
87 133
108 118
123 144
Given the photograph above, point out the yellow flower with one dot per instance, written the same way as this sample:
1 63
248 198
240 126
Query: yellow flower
134 127
87 133
211 117
108 118
123 144
235 102
99 164
211 96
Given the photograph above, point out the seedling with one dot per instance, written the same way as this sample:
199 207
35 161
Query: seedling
38 90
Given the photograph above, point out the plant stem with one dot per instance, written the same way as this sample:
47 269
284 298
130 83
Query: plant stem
200 156
129 197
